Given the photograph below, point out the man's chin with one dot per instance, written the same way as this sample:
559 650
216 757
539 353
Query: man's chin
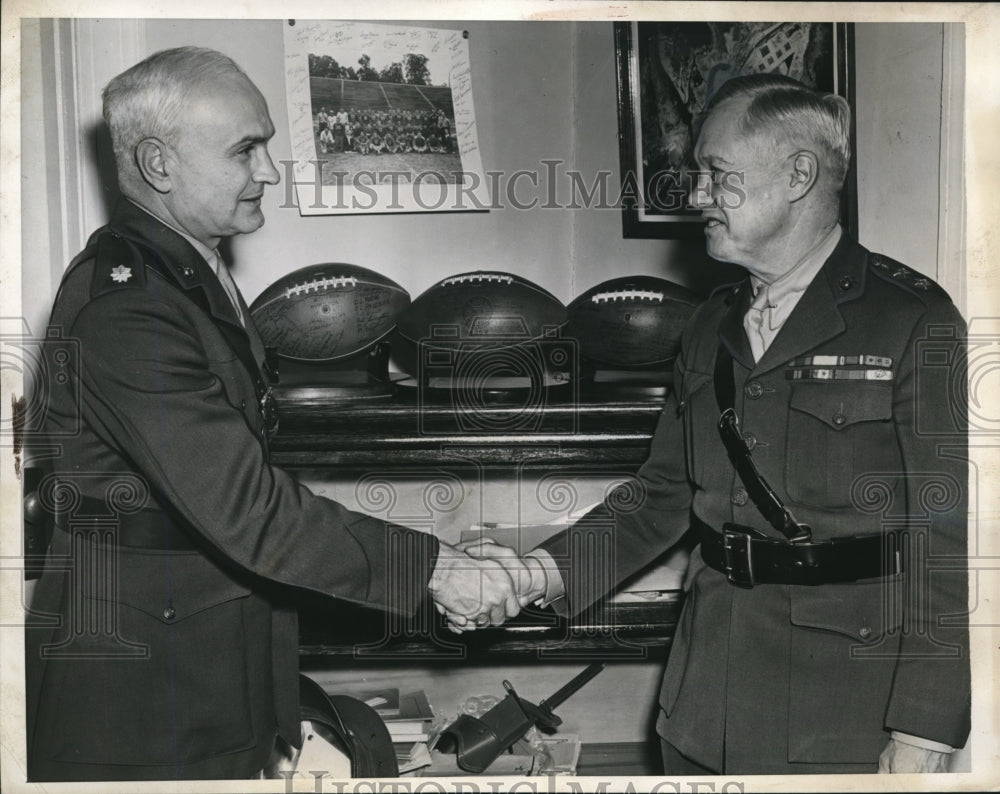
715 248
251 222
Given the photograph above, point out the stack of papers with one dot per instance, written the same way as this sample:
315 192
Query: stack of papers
412 757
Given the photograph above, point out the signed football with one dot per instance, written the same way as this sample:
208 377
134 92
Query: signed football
328 311
484 313
632 321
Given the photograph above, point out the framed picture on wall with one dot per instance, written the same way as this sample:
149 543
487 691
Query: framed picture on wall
666 70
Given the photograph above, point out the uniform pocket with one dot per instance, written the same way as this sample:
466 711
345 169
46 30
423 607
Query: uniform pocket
844 643
165 681
836 433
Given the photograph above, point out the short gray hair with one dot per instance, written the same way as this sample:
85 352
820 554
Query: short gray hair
784 110
148 99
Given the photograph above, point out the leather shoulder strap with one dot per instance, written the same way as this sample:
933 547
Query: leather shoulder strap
761 494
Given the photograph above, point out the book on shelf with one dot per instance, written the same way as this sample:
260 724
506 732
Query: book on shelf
413 722
413 706
385 701
408 736
411 757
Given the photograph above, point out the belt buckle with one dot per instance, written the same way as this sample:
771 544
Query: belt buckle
737 556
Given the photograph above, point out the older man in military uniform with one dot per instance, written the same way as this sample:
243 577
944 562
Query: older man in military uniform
816 445
164 642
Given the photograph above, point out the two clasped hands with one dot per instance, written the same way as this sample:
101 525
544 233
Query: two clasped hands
483 583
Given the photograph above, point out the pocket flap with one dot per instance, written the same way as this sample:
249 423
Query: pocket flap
840 405
171 586
861 611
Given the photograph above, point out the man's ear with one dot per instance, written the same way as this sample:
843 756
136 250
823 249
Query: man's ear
153 161
803 174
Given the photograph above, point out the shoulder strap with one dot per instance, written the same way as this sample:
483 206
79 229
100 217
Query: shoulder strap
763 496
148 258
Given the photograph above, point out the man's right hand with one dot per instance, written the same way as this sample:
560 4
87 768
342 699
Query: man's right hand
526 572
472 592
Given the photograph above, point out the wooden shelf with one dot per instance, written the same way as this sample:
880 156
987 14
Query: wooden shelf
319 434
612 631
624 759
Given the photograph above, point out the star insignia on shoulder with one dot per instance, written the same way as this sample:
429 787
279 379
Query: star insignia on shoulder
121 274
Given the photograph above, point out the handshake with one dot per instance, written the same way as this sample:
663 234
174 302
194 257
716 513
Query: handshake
483 583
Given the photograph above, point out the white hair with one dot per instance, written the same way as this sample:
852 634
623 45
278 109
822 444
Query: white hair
780 109
148 99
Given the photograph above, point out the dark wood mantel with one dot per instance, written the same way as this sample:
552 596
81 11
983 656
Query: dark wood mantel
395 432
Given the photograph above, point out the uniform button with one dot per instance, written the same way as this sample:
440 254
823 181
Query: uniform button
739 497
839 419
243 403
753 390
846 283
750 440
169 614
864 632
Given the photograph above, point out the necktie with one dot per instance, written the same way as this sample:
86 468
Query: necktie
222 271
753 323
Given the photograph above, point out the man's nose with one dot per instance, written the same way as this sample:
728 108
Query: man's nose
265 171
700 195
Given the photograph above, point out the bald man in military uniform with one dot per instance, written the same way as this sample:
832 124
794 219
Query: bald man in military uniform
164 639
824 621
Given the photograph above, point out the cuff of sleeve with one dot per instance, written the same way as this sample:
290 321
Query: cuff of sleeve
554 587
921 742
410 560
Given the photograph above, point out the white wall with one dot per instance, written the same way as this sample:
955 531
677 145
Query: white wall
903 147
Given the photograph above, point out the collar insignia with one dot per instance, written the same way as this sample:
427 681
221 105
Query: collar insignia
121 274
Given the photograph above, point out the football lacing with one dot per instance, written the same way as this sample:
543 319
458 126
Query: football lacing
498 278
622 295
337 282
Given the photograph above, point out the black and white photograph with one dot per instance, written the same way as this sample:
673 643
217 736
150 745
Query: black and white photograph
369 117
382 118
366 426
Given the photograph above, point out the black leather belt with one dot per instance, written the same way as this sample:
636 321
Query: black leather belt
143 529
747 557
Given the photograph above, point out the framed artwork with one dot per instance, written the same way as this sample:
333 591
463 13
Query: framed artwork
667 70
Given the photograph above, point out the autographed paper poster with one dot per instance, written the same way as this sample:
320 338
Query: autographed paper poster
381 118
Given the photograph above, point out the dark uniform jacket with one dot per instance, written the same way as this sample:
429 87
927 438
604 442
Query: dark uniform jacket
163 643
776 676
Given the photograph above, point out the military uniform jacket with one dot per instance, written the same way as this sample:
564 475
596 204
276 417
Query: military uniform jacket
854 417
162 662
